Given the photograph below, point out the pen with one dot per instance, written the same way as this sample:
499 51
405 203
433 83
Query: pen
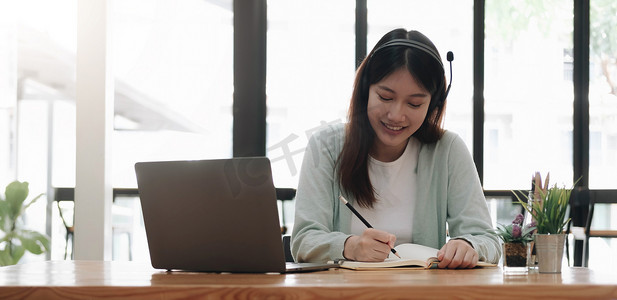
355 212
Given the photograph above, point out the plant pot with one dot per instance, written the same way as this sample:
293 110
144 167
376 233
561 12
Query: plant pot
515 258
549 251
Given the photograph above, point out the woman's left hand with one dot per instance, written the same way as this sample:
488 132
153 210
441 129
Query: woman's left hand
457 254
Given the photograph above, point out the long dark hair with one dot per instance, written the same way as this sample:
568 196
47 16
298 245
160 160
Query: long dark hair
359 138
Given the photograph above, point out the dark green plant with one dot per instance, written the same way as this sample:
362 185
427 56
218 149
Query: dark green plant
515 232
17 240
549 211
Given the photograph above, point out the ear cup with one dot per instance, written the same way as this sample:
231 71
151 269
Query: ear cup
440 97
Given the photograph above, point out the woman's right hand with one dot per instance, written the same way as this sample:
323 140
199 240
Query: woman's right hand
372 245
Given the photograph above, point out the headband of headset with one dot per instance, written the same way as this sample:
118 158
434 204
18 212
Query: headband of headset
413 44
424 48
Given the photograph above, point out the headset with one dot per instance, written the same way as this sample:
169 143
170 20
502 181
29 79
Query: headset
422 47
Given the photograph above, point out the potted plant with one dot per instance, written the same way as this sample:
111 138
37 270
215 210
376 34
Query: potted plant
548 210
516 238
17 240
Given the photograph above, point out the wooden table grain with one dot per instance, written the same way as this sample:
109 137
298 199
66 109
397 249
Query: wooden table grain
136 280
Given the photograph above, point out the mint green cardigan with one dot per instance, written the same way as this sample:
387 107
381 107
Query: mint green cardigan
448 191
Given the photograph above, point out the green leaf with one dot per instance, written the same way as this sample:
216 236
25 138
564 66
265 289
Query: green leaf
16 193
550 212
11 255
5 258
527 231
16 240
17 253
32 201
4 216
34 242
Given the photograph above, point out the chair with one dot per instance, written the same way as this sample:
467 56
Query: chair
287 248
123 222
284 195
65 199
584 233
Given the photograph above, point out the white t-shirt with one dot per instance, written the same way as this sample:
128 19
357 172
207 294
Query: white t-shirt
395 191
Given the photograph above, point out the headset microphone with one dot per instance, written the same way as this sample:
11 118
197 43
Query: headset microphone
450 58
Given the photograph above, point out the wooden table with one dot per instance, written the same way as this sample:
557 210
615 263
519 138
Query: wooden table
134 280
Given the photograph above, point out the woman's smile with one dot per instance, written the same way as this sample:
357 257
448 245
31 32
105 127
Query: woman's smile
392 127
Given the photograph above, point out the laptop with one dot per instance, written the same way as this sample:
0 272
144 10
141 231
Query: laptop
214 216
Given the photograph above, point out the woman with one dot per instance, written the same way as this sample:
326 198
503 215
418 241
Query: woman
396 165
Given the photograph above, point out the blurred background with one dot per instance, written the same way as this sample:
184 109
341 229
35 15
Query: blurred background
174 93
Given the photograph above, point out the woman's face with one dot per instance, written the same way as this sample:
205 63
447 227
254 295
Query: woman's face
397 106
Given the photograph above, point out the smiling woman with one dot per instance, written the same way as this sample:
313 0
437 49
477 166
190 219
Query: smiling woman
405 63
395 163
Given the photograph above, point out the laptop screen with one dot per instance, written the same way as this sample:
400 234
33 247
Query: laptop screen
211 215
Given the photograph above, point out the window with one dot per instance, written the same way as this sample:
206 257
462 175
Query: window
174 90
528 102
310 76
603 125
603 94
39 65
8 91
174 82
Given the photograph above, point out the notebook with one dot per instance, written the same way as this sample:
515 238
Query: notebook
213 216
